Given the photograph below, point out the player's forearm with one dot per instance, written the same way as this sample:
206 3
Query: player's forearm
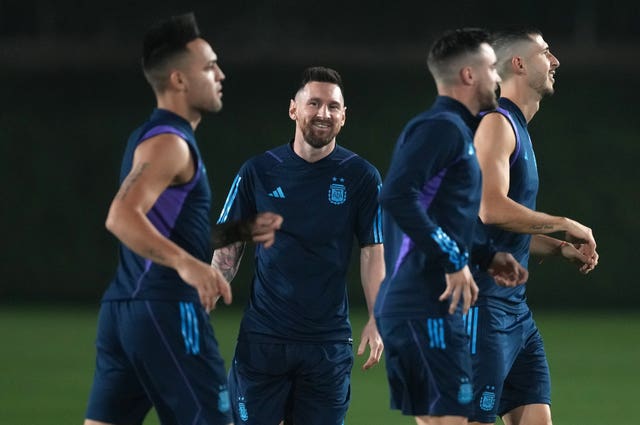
545 246
514 217
227 259
371 272
135 231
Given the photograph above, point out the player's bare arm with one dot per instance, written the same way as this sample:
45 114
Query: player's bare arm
546 246
371 272
495 142
159 162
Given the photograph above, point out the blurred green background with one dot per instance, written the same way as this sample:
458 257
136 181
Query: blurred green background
72 92
48 357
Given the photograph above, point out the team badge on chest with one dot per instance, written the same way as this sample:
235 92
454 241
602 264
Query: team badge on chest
337 191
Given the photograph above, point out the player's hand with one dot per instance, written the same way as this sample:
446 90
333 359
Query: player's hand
207 280
507 271
263 228
371 337
580 234
460 284
579 254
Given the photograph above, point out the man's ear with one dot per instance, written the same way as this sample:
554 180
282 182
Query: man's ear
293 109
177 80
517 64
466 75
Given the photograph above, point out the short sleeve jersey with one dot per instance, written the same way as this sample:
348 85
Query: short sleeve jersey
299 288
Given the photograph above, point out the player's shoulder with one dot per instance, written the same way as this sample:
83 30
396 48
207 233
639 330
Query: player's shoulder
353 161
267 159
435 123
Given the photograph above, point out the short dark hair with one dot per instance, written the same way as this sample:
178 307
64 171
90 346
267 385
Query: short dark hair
453 44
506 41
164 41
320 74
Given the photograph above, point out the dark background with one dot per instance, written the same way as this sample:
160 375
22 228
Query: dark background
72 91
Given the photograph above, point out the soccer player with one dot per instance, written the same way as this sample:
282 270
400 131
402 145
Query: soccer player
510 366
430 198
155 345
294 354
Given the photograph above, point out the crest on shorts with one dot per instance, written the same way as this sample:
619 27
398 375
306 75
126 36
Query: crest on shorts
337 191
242 409
224 404
488 398
465 392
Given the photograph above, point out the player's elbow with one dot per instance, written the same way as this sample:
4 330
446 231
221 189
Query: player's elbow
113 221
488 215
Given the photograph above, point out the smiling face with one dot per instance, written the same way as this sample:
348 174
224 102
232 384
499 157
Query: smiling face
319 112
541 66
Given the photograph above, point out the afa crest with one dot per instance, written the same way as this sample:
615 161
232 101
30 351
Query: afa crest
488 399
242 409
337 191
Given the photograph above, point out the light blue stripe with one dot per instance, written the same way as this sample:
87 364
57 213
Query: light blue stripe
469 319
474 336
450 247
443 345
431 339
434 332
183 319
280 192
230 198
190 329
196 333
377 222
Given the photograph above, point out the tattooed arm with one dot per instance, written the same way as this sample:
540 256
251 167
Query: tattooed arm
227 259
495 142
159 162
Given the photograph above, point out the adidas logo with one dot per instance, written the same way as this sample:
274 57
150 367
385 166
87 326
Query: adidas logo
278 193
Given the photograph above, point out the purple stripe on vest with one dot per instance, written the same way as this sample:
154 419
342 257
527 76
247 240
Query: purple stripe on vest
426 197
167 208
162 129
275 156
166 129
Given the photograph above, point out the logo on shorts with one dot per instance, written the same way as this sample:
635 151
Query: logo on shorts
488 398
224 404
242 409
337 191
465 392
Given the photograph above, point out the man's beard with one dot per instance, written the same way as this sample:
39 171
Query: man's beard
318 141
488 101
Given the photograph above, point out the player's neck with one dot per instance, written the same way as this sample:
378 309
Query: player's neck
181 109
527 101
309 153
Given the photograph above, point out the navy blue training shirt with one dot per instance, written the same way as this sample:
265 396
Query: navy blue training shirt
523 189
430 198
181 213
299 289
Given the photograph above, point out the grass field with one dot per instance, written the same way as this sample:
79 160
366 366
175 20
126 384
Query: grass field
47 356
